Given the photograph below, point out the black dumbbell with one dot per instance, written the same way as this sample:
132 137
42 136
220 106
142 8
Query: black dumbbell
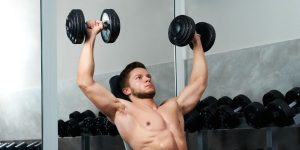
207 113
182 29
193 120
282 111
31 145
111 128
99 128
22 146
80 116
3 146
86 126
256 115
225 100
10 146
227 116
76 26
38 146
271 96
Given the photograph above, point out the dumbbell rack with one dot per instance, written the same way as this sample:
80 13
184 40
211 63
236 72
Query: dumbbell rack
86 142
269 138
36 143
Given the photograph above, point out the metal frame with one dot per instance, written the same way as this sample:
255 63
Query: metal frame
49 79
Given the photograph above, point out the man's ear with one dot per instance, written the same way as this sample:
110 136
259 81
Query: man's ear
126 91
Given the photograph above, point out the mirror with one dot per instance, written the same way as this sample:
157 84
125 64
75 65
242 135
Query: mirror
256 50
20 63
256 42
143 37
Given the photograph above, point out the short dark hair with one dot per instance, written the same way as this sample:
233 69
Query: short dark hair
124 74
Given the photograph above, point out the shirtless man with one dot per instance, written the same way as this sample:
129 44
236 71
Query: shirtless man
141 122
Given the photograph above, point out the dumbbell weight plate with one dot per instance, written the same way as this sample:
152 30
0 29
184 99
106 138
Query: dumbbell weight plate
226 118
111 27
240 102
293 95
205 102
255 115
280 112
225 100
181 30
75 26
272 95
208 35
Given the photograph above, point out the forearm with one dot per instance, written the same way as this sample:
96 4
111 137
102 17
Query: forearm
86 62
199 69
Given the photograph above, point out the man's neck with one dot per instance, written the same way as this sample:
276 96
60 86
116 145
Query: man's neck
146 102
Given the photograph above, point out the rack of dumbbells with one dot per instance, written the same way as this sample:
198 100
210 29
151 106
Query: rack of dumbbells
21 145
241 117
85 130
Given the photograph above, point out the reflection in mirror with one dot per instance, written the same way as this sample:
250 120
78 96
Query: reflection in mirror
143 37
20 63
256 50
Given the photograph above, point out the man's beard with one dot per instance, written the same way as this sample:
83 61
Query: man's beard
144 95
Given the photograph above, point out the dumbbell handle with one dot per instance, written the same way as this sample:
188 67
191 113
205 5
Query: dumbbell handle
292 104
238 109
105 25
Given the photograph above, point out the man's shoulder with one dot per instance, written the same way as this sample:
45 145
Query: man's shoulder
170 101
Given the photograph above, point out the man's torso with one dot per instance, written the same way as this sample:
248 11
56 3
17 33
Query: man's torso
145 128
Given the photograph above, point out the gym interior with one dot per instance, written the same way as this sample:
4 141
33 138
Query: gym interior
252 62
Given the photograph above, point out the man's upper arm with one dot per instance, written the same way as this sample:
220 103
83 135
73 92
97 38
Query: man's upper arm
103 99
190 95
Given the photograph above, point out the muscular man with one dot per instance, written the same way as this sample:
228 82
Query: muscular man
141 122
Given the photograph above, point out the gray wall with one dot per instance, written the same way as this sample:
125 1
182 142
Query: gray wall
253 71
243 24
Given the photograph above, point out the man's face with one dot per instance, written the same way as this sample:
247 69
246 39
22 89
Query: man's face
140 83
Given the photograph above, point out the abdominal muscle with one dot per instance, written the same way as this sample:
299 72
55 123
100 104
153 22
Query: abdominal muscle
152 140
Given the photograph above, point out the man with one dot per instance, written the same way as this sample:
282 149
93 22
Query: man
142 123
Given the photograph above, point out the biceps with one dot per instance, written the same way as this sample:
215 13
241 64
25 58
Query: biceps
190 96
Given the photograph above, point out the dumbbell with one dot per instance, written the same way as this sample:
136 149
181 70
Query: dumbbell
182 29
32 145
193 120
76 124
282 111
271 96
3 146
68 128
224 100
80 116
22 146
76 26
207 113
86 126
227 116
10 146
256 115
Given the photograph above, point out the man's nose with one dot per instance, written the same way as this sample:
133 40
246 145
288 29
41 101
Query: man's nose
147 79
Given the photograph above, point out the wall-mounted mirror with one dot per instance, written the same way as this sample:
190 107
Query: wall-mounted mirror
143 37
256 50
255 42
20 63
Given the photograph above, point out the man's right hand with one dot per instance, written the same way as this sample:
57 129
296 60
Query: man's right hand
93 27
